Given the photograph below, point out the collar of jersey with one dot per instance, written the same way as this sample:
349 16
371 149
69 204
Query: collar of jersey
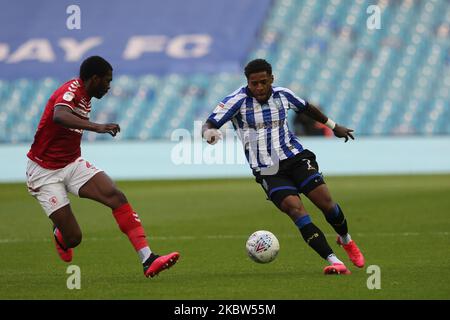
82 88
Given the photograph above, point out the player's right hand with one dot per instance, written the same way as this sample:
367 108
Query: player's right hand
212 136
111 128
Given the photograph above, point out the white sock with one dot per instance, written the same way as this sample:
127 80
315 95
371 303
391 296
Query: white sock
144 253
333 259
346 239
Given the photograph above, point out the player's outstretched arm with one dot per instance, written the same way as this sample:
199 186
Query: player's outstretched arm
339 131
63 116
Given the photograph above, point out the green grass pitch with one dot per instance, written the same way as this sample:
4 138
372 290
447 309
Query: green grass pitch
402 224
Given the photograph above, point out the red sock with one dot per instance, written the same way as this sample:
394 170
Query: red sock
130 224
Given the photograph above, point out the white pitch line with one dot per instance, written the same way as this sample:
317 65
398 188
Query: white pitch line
225 237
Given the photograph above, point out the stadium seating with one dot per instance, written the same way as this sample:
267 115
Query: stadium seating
389 81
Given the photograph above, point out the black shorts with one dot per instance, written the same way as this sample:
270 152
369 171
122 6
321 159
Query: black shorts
299 174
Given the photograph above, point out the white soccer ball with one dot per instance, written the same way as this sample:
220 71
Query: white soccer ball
262 246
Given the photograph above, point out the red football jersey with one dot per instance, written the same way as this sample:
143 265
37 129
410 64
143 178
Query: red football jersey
55 146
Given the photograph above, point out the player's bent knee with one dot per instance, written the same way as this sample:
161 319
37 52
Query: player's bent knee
286 205
295 213
115 199
327 205
321 197
292 207
120 197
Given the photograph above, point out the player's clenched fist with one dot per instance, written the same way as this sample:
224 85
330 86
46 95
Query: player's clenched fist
212 135
111 128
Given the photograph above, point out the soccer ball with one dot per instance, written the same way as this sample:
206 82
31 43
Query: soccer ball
262 246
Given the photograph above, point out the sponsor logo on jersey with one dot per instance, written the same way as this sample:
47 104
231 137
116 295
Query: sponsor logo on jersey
68 96
278 103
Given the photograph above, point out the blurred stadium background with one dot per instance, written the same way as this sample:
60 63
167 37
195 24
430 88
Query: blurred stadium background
395 80
387 82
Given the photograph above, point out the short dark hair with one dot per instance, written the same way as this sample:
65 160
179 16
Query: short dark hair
94 65
257 65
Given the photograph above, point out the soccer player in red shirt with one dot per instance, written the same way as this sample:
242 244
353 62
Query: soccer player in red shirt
55 166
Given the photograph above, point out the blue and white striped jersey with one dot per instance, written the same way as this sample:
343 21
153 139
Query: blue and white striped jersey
263 129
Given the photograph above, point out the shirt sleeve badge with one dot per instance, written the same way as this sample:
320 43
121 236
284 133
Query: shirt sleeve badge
219 107
68 96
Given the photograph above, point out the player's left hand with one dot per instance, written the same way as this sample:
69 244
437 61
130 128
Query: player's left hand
111 128
343 132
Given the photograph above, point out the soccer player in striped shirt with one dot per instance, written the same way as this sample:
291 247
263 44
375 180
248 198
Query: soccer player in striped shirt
279 162
55 166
